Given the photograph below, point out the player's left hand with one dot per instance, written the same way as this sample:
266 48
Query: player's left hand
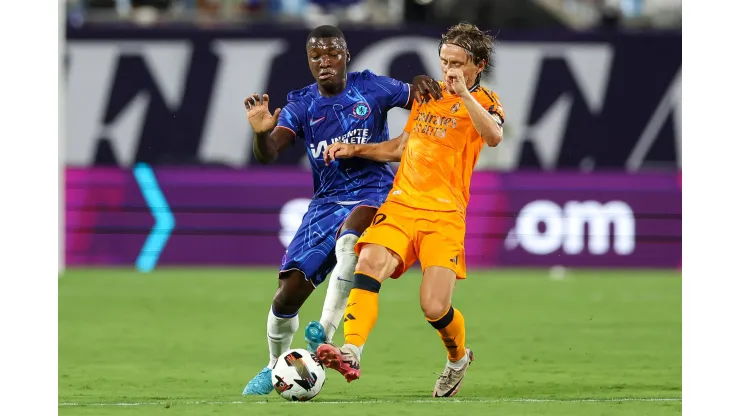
426 88
338 150
455 80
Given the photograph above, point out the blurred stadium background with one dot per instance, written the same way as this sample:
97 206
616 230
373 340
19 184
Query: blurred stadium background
172 232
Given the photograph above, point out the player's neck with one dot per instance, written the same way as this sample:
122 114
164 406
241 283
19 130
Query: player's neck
333 91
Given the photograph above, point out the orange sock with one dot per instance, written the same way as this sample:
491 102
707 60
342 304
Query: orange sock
451 328
362 310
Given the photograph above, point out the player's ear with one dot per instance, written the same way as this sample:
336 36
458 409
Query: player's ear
482 66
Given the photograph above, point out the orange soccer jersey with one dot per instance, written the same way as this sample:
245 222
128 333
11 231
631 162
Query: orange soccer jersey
423 217
441 152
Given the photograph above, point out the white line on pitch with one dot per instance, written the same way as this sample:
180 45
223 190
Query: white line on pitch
181 403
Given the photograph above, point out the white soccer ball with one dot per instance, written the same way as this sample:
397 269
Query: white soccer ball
298 375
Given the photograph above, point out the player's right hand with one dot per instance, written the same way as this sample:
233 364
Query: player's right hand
258 113
338 150
426 89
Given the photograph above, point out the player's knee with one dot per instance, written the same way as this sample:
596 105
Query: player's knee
359 219
434 308
376 261
367 264
291 294
284 303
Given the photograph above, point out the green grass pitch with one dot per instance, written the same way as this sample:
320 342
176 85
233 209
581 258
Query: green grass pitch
185 342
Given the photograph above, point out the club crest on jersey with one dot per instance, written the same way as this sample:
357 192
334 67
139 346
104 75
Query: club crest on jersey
455 107
361 110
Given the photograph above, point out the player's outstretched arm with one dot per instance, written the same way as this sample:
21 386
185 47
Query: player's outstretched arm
388 151
268 141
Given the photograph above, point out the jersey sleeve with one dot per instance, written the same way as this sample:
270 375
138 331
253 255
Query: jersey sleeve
389 92
490 101
412 117
291 118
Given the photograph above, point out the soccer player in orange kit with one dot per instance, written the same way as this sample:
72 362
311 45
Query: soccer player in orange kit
423 217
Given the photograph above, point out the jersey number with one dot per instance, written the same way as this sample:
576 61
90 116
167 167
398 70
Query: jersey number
379 218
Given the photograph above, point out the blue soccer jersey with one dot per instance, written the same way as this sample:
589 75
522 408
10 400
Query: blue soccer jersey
357 115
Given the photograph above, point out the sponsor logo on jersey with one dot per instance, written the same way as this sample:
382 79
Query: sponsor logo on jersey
354 136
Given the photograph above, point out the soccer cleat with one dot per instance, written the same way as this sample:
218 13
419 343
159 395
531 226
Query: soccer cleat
314 336
343 359
449 382
260 384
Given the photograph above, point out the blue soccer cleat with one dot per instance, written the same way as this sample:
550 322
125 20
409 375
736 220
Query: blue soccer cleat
314 336
260 384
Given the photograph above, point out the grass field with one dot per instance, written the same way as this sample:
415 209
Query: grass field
185 342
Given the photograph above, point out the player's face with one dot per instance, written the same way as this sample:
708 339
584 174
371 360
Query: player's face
453 56
327 58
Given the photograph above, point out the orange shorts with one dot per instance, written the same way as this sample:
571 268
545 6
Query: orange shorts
435 238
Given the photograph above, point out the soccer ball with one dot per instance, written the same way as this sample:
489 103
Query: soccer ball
298 375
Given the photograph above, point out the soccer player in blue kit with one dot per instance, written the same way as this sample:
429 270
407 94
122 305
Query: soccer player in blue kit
340 106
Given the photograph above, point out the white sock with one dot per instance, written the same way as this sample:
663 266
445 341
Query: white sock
459 364
340 283
280 333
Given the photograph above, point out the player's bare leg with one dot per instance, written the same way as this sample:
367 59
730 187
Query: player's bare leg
282 324
341 279
375 264
435 296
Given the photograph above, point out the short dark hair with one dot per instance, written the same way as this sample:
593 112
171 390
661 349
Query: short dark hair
477 43
325 31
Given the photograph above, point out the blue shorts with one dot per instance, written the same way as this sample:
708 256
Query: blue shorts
312 248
